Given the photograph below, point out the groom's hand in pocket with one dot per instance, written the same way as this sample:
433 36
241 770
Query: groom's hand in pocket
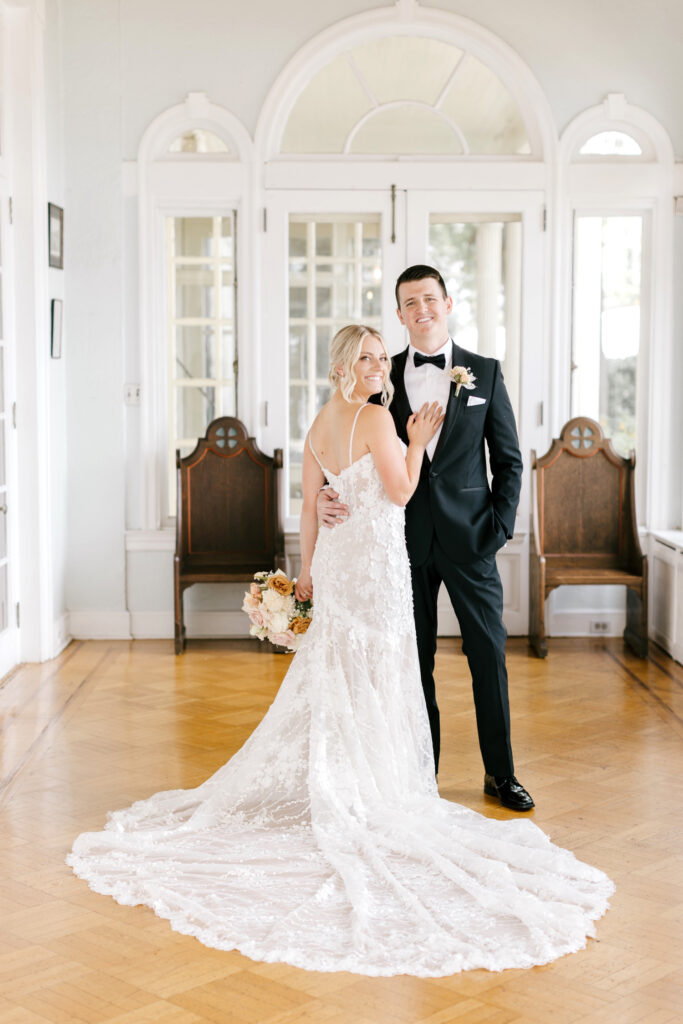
331 511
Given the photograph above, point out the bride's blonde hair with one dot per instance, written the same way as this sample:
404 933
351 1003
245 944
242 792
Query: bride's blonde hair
345 350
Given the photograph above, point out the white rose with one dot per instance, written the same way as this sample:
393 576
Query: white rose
273 601
279 622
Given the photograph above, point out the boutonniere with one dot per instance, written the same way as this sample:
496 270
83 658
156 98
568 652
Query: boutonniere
461 376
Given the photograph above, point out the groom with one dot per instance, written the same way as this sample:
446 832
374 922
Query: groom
455 523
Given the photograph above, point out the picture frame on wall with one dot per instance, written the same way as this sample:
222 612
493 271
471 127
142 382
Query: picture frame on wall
55 236
56 328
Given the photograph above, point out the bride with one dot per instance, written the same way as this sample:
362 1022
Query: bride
323 842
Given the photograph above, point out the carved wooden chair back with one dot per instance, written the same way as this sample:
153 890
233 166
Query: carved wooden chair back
585 498
228 502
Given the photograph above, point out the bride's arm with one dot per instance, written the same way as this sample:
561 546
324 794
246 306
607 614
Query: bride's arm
399 474
312 479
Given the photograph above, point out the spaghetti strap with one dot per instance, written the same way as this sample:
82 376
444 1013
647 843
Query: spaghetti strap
315 454
355 420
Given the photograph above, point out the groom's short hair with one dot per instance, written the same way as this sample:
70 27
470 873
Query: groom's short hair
418 273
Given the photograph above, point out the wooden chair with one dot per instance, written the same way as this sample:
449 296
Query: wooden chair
228 523
584 528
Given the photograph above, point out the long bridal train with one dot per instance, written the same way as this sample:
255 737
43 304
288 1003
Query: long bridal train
323 842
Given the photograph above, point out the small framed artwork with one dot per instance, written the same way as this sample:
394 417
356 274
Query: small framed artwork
56 329
55 235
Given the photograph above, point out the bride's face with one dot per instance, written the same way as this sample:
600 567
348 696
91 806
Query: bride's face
371 369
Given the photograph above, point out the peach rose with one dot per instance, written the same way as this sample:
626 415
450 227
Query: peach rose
281 584
299 624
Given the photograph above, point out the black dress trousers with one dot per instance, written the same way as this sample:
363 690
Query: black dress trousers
476 593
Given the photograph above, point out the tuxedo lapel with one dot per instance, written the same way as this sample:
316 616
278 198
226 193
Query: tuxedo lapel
400 405
453 410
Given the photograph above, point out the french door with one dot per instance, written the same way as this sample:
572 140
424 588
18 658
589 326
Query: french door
333 258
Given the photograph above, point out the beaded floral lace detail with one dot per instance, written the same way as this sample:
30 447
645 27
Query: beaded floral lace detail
323 842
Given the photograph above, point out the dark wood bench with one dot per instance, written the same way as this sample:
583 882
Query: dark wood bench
228 522
584 528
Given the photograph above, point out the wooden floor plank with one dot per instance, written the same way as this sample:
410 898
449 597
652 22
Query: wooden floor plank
597 735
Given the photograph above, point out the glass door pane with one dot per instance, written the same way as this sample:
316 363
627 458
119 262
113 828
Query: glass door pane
334 278
606 323
480 258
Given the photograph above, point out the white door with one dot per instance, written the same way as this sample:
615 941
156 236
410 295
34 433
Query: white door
9 631
489 247
344 251
331 258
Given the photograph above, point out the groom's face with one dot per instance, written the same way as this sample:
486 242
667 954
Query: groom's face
424 309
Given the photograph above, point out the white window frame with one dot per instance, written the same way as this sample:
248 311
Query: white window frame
185 185
609 186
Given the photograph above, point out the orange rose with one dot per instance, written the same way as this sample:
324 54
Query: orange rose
281 585
299 624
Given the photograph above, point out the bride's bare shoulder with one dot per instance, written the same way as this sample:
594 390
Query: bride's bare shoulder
377 417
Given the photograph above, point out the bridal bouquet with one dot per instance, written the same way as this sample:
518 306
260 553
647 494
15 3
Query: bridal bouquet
274 611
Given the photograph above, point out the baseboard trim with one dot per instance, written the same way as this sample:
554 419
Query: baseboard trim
61 634
578 623
200 625
100 625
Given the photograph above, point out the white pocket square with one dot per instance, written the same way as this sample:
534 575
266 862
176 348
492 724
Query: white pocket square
473 400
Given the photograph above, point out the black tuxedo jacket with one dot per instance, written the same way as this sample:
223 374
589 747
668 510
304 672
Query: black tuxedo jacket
453 500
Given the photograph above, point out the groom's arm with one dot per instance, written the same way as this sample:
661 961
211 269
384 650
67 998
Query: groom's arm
505 457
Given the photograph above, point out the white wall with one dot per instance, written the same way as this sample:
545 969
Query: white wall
125 62
57 383
95 314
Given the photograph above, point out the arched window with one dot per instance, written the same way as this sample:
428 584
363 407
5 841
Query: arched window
365 102
617 164
191 193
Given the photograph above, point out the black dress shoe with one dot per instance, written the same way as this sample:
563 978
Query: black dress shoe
509 791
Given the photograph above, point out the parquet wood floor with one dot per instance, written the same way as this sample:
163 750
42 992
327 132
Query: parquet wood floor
598 737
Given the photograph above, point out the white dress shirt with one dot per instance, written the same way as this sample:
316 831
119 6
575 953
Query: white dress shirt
427 383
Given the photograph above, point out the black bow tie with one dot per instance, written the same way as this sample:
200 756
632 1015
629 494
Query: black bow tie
439 360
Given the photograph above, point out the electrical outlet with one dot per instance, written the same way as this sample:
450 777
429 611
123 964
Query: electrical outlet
598 626
131 394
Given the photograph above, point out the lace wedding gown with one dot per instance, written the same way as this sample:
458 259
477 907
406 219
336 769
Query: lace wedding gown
323 842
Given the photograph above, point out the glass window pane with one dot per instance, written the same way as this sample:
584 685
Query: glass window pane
406 130
484 110
607 324
480 258
198 140
295 488
326 111
195 351
195 409
298 412
195 291
298 301
383 63
298 353
194 236
611 144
